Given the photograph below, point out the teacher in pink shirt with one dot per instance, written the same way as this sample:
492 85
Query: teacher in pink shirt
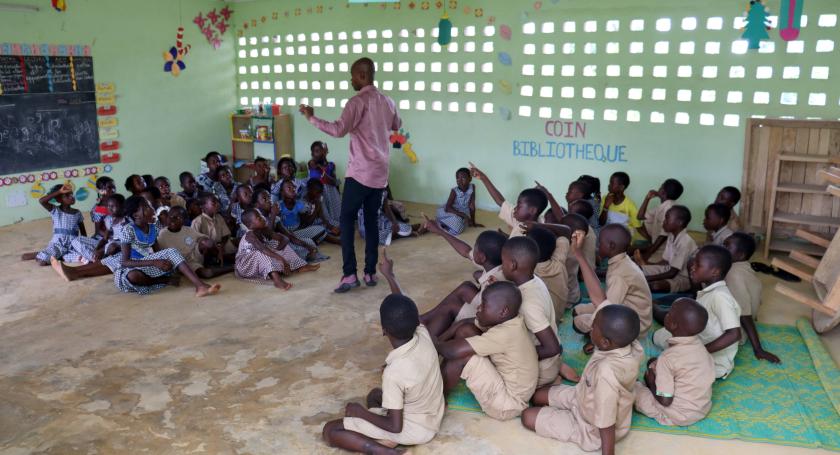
369 117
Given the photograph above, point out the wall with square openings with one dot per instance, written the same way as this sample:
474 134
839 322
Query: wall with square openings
665 88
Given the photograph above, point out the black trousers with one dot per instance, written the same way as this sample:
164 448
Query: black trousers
358 196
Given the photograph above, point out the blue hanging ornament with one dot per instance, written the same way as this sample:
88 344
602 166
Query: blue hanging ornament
444 30
758 22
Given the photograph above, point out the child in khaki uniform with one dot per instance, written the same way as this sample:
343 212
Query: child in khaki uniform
596 412
651 229
554 250
577 222
730 196
499 365
746 288
626 284
213 225
529 205
678 384
462 302
193 245
671 274
409 407
715 220
723 329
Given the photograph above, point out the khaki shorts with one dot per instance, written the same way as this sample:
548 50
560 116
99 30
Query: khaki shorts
411 434
561 420
585 315
665 415
679 283
489 389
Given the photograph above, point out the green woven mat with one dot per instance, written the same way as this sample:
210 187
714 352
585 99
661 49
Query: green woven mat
796 403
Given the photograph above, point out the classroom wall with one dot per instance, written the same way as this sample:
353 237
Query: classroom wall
676 106
165 123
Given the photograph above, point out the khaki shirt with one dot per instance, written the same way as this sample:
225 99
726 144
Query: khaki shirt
626 285
678 250
590 247
734 224
186 242
487 277
746 288
506 215
605 392
554 275
719 236
538 312
685 371
215 227
655 217
724 314
412 382
512 352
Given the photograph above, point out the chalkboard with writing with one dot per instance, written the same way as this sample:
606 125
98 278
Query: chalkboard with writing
47 113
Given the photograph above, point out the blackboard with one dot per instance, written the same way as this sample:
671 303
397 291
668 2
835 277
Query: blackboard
47 113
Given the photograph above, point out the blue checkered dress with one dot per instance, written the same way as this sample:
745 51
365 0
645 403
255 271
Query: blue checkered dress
451 222
141 249
65 229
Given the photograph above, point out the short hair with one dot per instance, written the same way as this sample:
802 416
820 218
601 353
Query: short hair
202 199
314 183
315 145
463 170
581 186
119 199
523 250
129 180
183 176
399 316
56 187
546 242
262 186
717 256
132 204
248 216
744 243
682 213
695 314
178 210
734 193
622 233
286 159
255 195
149 179
490 243
365 64
211 153
534 198
576 222
622 178
161 179
593 182
223 168
506 291
260 159
619 324
582 208
151 189
102 181
673 189
723 212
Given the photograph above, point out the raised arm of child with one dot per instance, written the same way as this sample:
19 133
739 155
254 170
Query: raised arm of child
560 230
494 193
642 214
556 208
462 247
748 325
45 199
386 267
590 279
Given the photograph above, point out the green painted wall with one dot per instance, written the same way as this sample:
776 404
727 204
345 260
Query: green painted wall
165 123
703 157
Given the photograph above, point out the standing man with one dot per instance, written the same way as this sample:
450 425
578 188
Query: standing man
369 117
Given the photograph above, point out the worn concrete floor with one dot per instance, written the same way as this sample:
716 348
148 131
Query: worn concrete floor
86 369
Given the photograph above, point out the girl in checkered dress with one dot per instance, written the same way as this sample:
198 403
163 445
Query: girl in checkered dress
223 188
67 223
286 171
389 226
265 256
323 170
141 266
314 199
244 197
459 211
206 180
105 187
305 248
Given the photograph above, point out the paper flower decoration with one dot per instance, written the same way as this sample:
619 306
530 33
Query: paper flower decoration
173 64
59 5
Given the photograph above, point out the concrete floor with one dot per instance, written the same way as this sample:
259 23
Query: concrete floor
86 369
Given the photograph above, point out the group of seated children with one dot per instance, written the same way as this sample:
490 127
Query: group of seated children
262 229
498 330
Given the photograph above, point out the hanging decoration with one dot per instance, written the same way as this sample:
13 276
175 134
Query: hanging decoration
444 30
757 24
174 63
213 25
399 140
106 112
59 5
790 19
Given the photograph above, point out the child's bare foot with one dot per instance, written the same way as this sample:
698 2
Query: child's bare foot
280 283
28 256
568 373
309 268
43 263
59 268
588 348
206 289
175 280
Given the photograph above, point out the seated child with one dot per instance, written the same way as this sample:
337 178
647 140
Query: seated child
678 384
577 222
304 248
651 229
152 195
206 180
166 197
105 187
596 412
243 200
617 207
189 187
193 210
211 224
723 329
499 365
529 205
551 268
463 301
593 198
389 225
409 407
68 225
286 171
261 174
715 223
583 208
730 196
314 198
193 245
746 288
297 218
671 273
265 256
135 184
459 211
141 266
626 284
223 188
320 168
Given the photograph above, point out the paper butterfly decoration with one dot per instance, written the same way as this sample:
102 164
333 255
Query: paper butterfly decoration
173 58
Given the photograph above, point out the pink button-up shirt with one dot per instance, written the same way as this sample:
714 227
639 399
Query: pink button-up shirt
369 117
